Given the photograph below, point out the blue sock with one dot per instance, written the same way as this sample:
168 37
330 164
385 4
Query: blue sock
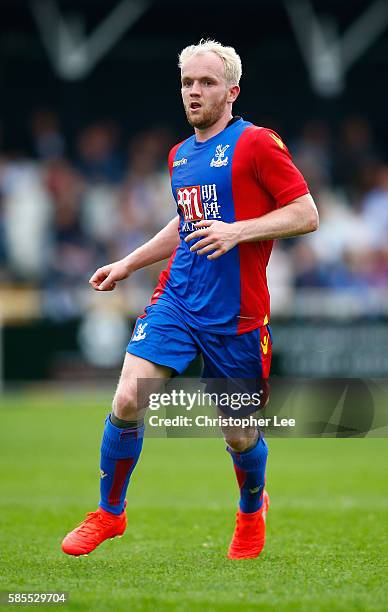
120 451
250 471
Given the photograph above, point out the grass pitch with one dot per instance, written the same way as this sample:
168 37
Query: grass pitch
326 546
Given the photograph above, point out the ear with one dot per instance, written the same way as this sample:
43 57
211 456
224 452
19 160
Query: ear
233 93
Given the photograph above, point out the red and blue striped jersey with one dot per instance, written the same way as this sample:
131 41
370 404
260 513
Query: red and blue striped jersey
241 173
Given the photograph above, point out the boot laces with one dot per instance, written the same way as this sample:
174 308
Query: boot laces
92 524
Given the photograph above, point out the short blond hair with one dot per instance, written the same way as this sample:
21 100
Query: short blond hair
231 59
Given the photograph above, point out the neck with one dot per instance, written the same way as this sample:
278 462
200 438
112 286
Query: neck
218 126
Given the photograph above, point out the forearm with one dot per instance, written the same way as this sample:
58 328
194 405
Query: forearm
158 248
297 218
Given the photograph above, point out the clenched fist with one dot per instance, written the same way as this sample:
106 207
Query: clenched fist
105 278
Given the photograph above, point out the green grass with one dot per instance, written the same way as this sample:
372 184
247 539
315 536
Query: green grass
326 545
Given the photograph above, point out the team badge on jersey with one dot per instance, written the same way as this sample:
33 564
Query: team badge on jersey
219 158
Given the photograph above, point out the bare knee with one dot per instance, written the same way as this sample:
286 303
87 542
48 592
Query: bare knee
125 404
240 441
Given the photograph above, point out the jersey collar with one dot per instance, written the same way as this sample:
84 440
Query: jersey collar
234 121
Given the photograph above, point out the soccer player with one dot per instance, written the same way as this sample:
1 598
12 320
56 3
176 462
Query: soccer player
236 190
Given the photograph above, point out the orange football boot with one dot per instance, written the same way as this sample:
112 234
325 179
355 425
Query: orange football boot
249 536
97 527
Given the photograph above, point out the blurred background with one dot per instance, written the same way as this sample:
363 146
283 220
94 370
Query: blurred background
90 105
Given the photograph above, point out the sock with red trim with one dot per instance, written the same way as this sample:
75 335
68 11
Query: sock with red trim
250 471
120 451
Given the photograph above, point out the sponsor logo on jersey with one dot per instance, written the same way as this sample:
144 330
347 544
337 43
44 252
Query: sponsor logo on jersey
277 140
210 201
190 203
189 226
103 474
198 202
179 162
140 333
219 158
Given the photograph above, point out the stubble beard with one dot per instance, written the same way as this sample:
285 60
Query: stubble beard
208 118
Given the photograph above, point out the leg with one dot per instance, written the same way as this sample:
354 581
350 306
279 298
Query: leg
160 345
249 451
244 362
121 445
249 454
159 338
130 402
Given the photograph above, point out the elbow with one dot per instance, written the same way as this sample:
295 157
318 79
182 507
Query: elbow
308 214
313 222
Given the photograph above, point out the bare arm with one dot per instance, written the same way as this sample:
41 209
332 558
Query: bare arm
158 248
298 217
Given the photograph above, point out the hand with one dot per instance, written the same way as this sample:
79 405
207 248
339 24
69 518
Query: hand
105 278
215 236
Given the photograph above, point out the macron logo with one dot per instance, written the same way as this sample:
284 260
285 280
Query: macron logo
179 162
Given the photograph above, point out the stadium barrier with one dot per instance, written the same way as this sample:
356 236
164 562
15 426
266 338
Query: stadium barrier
316 335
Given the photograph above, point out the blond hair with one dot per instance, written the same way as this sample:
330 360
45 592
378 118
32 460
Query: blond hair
231 60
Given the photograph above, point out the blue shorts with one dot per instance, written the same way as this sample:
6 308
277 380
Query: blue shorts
162 336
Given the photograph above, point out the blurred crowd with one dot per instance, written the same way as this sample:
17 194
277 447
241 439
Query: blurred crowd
63 212
347 175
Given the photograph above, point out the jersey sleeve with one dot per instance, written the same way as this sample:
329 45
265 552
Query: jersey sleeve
171 156
275 168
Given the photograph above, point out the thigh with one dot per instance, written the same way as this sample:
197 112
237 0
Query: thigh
237 356
160 347
161 337
237 369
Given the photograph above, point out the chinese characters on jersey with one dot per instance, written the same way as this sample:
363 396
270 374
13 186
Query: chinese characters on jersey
197 203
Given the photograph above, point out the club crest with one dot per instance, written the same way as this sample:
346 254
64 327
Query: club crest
140 334
219 158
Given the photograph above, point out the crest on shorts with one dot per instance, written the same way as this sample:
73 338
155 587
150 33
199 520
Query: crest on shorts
140 333
219 158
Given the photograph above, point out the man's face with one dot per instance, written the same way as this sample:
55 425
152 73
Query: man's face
205 94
